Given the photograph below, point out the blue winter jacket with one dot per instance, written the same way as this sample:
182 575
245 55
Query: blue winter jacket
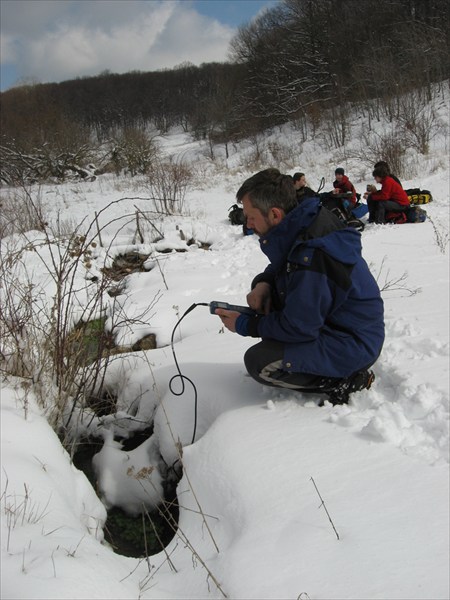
328 308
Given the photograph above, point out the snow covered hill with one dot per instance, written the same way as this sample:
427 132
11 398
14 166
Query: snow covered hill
252 524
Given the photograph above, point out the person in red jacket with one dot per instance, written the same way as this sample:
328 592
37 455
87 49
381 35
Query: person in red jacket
384 165
391 198
342 198
343 185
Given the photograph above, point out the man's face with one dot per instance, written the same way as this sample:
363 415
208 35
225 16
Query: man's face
257 221
339 177
300 183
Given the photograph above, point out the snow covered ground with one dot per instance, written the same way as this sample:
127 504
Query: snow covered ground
252 524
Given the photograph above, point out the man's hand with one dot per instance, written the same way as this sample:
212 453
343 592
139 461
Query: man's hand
260 298
228 318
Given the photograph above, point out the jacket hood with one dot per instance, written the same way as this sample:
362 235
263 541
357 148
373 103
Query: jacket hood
280 243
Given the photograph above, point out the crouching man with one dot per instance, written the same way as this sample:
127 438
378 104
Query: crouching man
318 309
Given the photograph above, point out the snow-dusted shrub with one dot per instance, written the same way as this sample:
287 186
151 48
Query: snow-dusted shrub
46 161
168 182
21 212
282 154
390 146
419 121
133 151
50 294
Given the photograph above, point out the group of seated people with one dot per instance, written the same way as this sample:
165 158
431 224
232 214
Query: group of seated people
390 199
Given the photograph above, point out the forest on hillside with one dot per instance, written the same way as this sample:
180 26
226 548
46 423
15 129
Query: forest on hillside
293 63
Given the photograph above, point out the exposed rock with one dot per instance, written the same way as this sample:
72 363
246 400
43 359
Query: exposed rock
124 264
146 343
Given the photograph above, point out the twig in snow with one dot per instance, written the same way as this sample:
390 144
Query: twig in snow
323 504
155 531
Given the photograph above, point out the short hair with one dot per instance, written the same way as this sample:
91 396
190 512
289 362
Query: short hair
380 172
297 176
339 171
382 164
268 189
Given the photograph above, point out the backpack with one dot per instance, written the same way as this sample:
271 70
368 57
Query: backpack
236 215
332 203
359 210
396 217
418 196
415 214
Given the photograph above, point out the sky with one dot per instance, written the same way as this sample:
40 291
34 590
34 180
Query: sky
55 40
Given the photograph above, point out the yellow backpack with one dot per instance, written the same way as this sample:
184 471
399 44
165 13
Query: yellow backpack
418 196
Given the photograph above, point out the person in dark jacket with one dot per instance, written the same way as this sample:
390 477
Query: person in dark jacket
318 309
302 190
391 198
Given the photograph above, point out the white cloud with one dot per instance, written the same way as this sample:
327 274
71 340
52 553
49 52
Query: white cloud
119 36
8 50
27 18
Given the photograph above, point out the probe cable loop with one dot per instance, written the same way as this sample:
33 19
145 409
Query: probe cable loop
179 375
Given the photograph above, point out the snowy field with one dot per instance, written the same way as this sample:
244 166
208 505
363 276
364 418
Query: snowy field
251 523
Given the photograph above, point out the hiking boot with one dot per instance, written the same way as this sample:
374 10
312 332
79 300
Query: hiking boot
356 224
361 380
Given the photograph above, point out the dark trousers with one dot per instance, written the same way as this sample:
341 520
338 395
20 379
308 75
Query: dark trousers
264 363
379 208
333 202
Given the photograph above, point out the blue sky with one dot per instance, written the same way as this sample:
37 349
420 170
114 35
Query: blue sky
54 40
231 12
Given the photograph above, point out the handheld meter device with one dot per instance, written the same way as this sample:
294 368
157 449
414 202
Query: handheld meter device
246 310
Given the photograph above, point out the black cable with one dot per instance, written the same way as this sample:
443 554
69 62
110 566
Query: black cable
179 374
321 185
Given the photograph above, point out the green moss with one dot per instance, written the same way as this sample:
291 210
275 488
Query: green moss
92 330
135 536
89 341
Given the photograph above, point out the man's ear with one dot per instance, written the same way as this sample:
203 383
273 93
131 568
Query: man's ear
277 215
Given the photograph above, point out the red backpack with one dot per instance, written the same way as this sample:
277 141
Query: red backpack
396 217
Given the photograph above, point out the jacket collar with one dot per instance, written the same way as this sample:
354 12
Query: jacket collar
278 241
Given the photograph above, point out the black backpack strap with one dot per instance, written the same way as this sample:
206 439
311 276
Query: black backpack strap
321 185
324 223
